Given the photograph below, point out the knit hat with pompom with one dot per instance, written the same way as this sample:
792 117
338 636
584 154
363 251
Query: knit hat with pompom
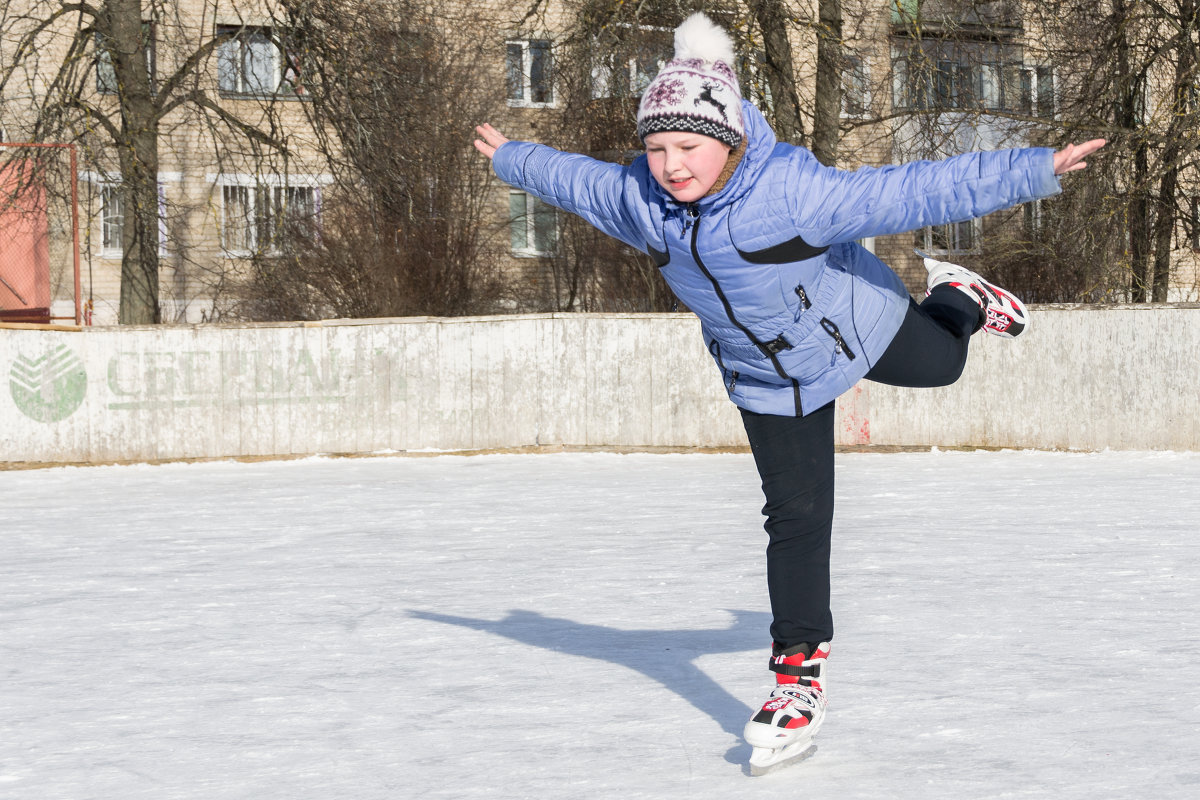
697 91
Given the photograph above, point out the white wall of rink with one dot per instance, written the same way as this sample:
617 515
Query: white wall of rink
1082 378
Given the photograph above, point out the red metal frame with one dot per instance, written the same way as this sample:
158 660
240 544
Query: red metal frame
74 217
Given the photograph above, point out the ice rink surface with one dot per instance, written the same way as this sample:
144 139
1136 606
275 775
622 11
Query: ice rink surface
1010 625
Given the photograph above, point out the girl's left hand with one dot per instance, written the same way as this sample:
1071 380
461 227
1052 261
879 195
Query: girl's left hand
1070 158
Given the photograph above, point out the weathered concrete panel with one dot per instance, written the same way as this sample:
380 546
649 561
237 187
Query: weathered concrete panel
1081 378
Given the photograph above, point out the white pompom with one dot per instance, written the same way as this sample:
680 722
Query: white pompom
699 37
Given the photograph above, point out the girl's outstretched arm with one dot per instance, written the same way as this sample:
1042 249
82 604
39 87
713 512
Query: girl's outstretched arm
489 139
579 184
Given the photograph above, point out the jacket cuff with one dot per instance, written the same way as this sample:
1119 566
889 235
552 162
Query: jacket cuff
1044 182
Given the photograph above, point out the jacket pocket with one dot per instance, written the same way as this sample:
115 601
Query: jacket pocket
728 377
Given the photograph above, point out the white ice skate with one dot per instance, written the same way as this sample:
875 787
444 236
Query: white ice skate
1005 315
782 731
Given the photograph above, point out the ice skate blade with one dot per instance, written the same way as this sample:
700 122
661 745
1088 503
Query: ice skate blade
764 760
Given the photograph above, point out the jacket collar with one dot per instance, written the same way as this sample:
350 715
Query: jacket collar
760 142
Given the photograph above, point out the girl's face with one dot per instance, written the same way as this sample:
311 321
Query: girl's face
685 164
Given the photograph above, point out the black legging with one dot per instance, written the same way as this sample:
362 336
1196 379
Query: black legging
794 456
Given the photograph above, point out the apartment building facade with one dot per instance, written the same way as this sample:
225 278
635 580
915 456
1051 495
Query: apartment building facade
918 80
569 76
226 94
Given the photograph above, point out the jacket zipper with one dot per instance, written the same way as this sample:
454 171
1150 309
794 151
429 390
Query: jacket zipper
693 212
803 295
832 329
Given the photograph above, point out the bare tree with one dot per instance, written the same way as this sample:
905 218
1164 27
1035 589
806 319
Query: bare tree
92 73
602 64
949 75
786 112
605 60
1129 72
827 105
1055 72
394 89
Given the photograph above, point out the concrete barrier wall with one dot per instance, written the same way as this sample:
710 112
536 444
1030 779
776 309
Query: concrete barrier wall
1082 378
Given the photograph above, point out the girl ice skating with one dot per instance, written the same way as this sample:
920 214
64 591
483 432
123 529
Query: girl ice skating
758 239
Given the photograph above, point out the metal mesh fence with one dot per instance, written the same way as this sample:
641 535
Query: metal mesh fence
39 234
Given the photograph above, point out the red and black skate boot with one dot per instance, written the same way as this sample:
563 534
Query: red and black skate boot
1003 314
781 732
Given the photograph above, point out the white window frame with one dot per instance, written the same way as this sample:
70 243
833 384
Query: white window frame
106 76
1050 90
236 64
112 220
989 86
909 92
525 100
1035 220
756 86
523 225
857 75
950 78
108 186
243 244
632 76
162 218
252 222
605 65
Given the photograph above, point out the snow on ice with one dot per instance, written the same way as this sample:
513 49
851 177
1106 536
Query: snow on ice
1010 624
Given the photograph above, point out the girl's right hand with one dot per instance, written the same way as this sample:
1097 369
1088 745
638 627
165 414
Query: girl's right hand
489 139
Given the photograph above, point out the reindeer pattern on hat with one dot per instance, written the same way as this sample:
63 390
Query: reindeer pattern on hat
697 91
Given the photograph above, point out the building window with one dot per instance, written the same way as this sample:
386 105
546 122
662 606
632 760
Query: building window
1034 221
752 75
106 74
162 219
530 73
906 86
253 62
955 238
1194 232
289 211
237 219
856 99
969 77
112 220
627 69
532 225
1037 91
256 219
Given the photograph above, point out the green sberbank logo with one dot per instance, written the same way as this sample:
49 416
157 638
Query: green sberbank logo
50 388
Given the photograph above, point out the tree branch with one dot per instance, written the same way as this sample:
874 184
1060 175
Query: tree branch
92 113
201 99
27 41
186 69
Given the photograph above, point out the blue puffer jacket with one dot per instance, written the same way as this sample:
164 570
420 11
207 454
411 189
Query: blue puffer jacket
793 311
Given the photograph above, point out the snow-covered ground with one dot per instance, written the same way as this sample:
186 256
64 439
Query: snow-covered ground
1014 624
